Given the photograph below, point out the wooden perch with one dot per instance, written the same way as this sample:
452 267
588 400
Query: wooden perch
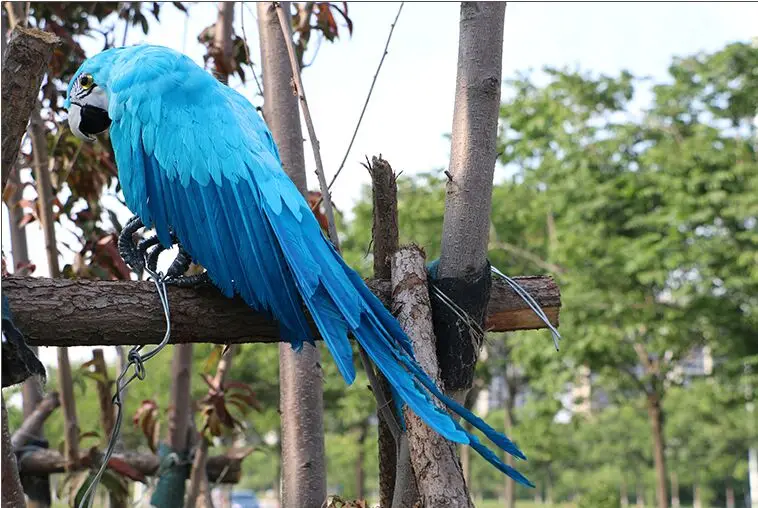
63 312
48 461
24 64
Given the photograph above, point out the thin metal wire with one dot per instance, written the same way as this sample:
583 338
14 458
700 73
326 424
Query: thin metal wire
138 361
531 303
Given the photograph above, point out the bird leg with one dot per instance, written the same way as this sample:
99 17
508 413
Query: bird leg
145 252
126 247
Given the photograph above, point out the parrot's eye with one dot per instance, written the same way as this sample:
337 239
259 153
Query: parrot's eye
86 81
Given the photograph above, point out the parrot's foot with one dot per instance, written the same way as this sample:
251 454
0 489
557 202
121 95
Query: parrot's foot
128 250
144 255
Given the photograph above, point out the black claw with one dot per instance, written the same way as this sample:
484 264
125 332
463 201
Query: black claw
191 281
152 257
145 253
180 265
126 246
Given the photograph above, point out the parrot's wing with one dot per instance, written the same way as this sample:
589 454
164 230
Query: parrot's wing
198 160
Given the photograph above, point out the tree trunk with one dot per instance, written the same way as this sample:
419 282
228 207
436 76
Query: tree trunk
198 493
640 496
466 222
474 139
697 496
510 485
624 494
107 414
730 498
438 473
675 490
181 372
12 494
360 462
300 376
655 414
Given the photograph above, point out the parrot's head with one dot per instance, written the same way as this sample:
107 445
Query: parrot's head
87 97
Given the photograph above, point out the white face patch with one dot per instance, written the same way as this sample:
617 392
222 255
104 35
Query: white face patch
94 97
74 119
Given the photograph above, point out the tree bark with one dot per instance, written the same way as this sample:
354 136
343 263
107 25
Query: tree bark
675 490
405 492
52 462
107 409
24 64
45 200
65 312
11 492
385 236
223 41
181 371
655 414
104 395
198 493
466 223
510 485
300 376
439 476
360 462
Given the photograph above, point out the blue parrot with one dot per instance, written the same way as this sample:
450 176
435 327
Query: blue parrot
197 161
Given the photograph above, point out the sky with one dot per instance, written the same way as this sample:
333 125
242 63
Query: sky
411 108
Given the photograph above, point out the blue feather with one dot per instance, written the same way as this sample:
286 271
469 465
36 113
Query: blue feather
197 160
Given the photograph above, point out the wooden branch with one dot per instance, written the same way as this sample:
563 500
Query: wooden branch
32 426
385 237
63 312
50 461
104 395
24 64
438 472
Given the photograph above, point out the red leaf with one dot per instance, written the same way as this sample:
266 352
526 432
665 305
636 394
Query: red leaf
125 469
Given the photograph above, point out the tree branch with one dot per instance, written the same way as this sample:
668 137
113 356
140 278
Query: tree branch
63 312
368 97
50 461
438 473
24 64
32 425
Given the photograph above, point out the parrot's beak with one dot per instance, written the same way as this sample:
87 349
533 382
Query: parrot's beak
86 121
